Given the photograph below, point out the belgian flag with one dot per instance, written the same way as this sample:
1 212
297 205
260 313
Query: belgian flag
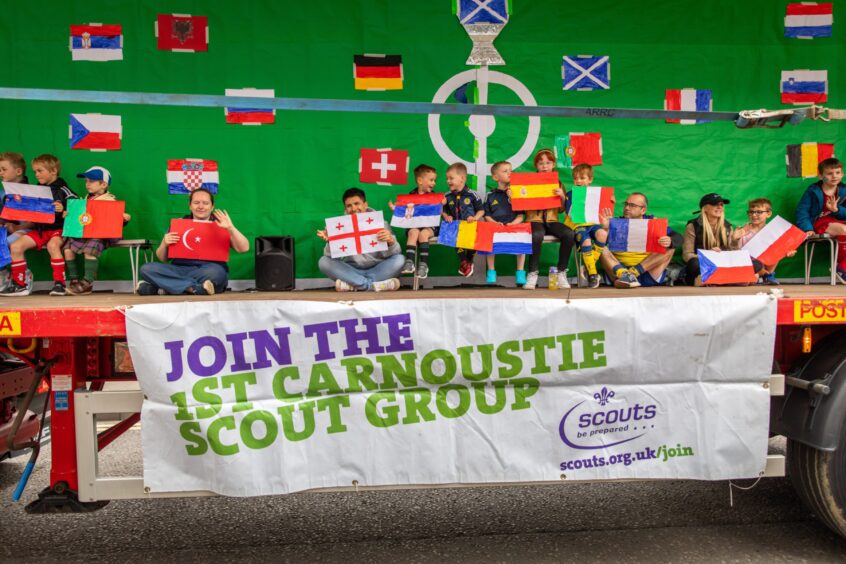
802 160
377 72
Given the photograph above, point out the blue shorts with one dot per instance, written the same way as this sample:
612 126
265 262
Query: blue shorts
647 280
583 231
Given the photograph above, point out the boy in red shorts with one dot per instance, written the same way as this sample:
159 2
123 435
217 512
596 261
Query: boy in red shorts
822 209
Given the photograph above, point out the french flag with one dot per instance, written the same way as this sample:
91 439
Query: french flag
636 235
28 202
726 267
688 100
417 210
774 241
512 239
95 132
96 42
804 86
250 116
807 20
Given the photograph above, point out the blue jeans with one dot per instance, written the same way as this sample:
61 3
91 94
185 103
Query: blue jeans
361 278
176 279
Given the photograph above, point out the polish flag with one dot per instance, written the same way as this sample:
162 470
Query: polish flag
774 241
726 267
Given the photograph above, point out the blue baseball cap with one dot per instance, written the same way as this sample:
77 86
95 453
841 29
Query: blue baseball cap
97 173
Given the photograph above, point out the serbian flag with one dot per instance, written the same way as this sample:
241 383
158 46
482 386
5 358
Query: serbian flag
95 132
774 241
383 166
94 219
199 240
476 235
802 160
726 267
534 191
28 202
808 20
417 210
804 86
587 202
186 175
182 33
688 100
636 235
512 239
96 42
355 234
377 72
250 116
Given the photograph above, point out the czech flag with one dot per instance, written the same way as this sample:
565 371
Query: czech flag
774 241
512 239
377 72
802 160
476 235
94 219
534 191
804 86
28 202
199 240
636 235
95 132
726 267
96 42
418 210
808 20
186 175
250 116
688 100
587 202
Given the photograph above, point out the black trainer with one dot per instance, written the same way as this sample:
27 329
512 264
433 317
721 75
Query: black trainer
58 289
14 289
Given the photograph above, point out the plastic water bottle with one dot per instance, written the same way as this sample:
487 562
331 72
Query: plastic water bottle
553 278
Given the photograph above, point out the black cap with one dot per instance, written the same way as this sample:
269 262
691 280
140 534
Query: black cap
711 199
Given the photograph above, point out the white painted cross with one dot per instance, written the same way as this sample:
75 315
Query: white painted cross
383 166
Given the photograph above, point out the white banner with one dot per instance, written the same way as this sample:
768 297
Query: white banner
267 397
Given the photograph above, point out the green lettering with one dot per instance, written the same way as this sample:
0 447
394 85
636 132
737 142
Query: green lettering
359 372
539 347
215 428
513 362
463 401
192 433
391 369
480 391
389 414
239 383
567 362
322 380
202 395
286 415
278 383
486 351
524 388
182 412
427 371
333 404
593 343
417 405
271 429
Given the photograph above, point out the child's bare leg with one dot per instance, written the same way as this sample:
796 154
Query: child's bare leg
489 260
521 262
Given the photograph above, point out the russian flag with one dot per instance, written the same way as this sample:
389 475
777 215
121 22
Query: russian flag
774 241
534 191
726 267
587 202
28 202
512 239
636 235
477 235
688 100
250 116
808 20
96 42
95 132
804 86
417 210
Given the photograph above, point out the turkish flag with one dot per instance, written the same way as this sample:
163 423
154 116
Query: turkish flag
178 32
199 240
383 166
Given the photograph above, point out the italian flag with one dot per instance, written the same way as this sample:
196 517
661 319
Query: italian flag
588 201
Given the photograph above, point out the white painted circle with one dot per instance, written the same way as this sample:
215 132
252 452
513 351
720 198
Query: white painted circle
482 126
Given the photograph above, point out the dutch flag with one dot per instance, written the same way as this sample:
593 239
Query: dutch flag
513 239
807 20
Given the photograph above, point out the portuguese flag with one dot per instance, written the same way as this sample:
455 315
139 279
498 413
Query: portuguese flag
94 219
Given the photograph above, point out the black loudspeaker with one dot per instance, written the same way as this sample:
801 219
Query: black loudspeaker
275 263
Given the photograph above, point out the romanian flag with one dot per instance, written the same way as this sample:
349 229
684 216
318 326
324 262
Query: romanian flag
28 202
476 235
774 241
726 267
417 210
587 202
636 235
94 219
534 191
802 160
377 72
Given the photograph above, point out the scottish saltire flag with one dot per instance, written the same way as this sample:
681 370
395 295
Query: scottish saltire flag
250 116
5 255
804 86
355 234
512 239
578 148
417 210
94 219
587 203
807 20
774 241
28 202
636 235
586 72
481 11
688 100
726 267
534 191
95 132
476 235
802 159
186 175
96 42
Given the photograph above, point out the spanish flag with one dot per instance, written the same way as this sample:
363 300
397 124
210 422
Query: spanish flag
534 191
802 160
476 235
377 72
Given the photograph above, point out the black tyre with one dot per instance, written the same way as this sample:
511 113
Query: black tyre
820 479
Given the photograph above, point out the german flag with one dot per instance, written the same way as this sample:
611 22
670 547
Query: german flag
377 72
802 160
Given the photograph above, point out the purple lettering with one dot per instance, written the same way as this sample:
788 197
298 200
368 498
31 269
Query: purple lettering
399 333
321 331
175 348
370 334
217 347
237 341
279 349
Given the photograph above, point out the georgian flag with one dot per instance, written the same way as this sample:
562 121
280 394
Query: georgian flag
774 241
417 210
726 267
636 235
355 234
95 132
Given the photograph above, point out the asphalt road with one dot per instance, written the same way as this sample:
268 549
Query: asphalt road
634 522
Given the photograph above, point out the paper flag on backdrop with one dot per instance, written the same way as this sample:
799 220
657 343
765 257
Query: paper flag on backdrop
586 72
512 239
587 202
579 148
186 175
482 11
383 166
774 241
377 72
476 235
96 42
355 234
95 132
804 86
250 116
688 100
636 235
808 20
28 202
802 160
199 240
182 33
726 267
534 191
94 219
417 210
5 255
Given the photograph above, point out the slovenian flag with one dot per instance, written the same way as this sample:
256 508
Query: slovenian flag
802 160
688 100
804 86
94 219
417 210
808 20
96 42
186 175
726 267
28 202
587 202
774 241
250 116
95 132
476 235
377 72
512 239
534 191
636 235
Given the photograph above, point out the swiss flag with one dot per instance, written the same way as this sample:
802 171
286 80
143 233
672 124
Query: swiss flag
199 240
383 166
182 32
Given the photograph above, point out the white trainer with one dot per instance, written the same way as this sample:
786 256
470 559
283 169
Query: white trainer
388 285
563 282
531 280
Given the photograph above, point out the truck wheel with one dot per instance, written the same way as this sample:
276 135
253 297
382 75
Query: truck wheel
820 479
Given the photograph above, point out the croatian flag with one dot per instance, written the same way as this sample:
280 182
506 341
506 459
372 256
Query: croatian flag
417 210
804 86
534 191
688 100
774 241
95 132
808 20
355 234
28 202
512 239
587 203
96 42
186 175
476 235
636 235
250 116
726 267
